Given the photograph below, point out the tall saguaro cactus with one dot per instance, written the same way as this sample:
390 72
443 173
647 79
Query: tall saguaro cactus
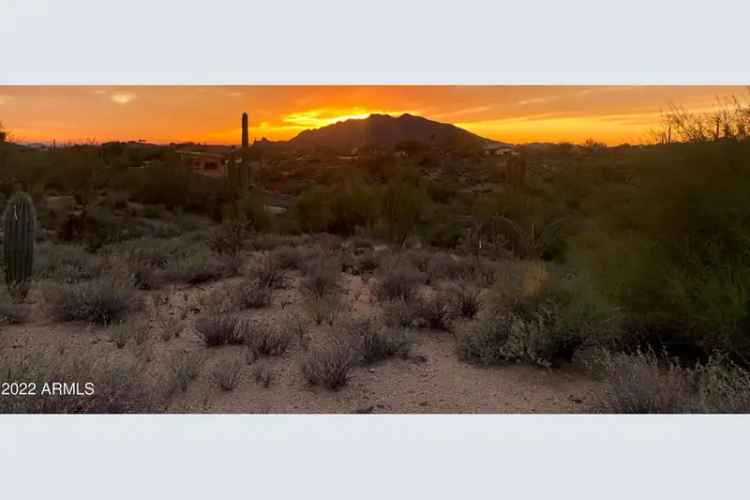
245 136
19 225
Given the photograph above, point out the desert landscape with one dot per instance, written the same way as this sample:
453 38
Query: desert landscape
379 264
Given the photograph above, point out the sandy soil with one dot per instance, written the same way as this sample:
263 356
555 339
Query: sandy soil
434 380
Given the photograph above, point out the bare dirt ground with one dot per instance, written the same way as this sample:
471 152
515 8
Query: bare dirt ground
432 380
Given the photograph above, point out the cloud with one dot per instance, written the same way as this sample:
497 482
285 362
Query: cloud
536 100
123 98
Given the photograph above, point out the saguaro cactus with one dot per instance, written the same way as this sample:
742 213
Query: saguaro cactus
19 225
245 136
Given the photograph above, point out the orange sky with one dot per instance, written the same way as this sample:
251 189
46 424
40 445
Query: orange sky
211 114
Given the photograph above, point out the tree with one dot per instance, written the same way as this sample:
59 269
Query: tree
3 133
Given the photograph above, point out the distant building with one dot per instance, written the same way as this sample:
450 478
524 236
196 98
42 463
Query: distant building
497 150
215 163
201 162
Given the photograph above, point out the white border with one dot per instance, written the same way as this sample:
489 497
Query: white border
368 42
375 457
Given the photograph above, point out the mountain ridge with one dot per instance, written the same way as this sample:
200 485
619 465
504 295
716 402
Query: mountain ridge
387 131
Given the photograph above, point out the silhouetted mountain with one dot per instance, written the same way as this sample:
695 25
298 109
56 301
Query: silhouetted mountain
387 131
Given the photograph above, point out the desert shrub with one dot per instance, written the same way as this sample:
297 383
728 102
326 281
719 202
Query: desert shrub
229 238
398 282
262 374
539 317
321 279
264 340
481 271
220 329
270 241
435 310
148 257
252 294
227 373
339 209
533 240
288 258
66 263
404 208
399 313
368 262
329 365
249 209
724 387
672 250
102 301
464 299
446 267
298 328
374 342
323 309
118 385
418 258
185 368
199 266
645 383
268 272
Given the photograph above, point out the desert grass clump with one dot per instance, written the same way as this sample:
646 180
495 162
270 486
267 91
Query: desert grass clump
264 340
288 258
186 368
329 366
101 301
299 330
399 282
322 278
399 314
435 311
227 373
645 383
323 309
724 386
220 329
66 263
268 272
197 267
262 374
375 343
229 238
465 299
254 295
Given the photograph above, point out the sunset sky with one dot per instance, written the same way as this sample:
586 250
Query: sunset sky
211 114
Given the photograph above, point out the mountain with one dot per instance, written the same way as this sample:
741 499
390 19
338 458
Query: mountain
386 131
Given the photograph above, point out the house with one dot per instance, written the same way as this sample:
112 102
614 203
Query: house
496 149
205 163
